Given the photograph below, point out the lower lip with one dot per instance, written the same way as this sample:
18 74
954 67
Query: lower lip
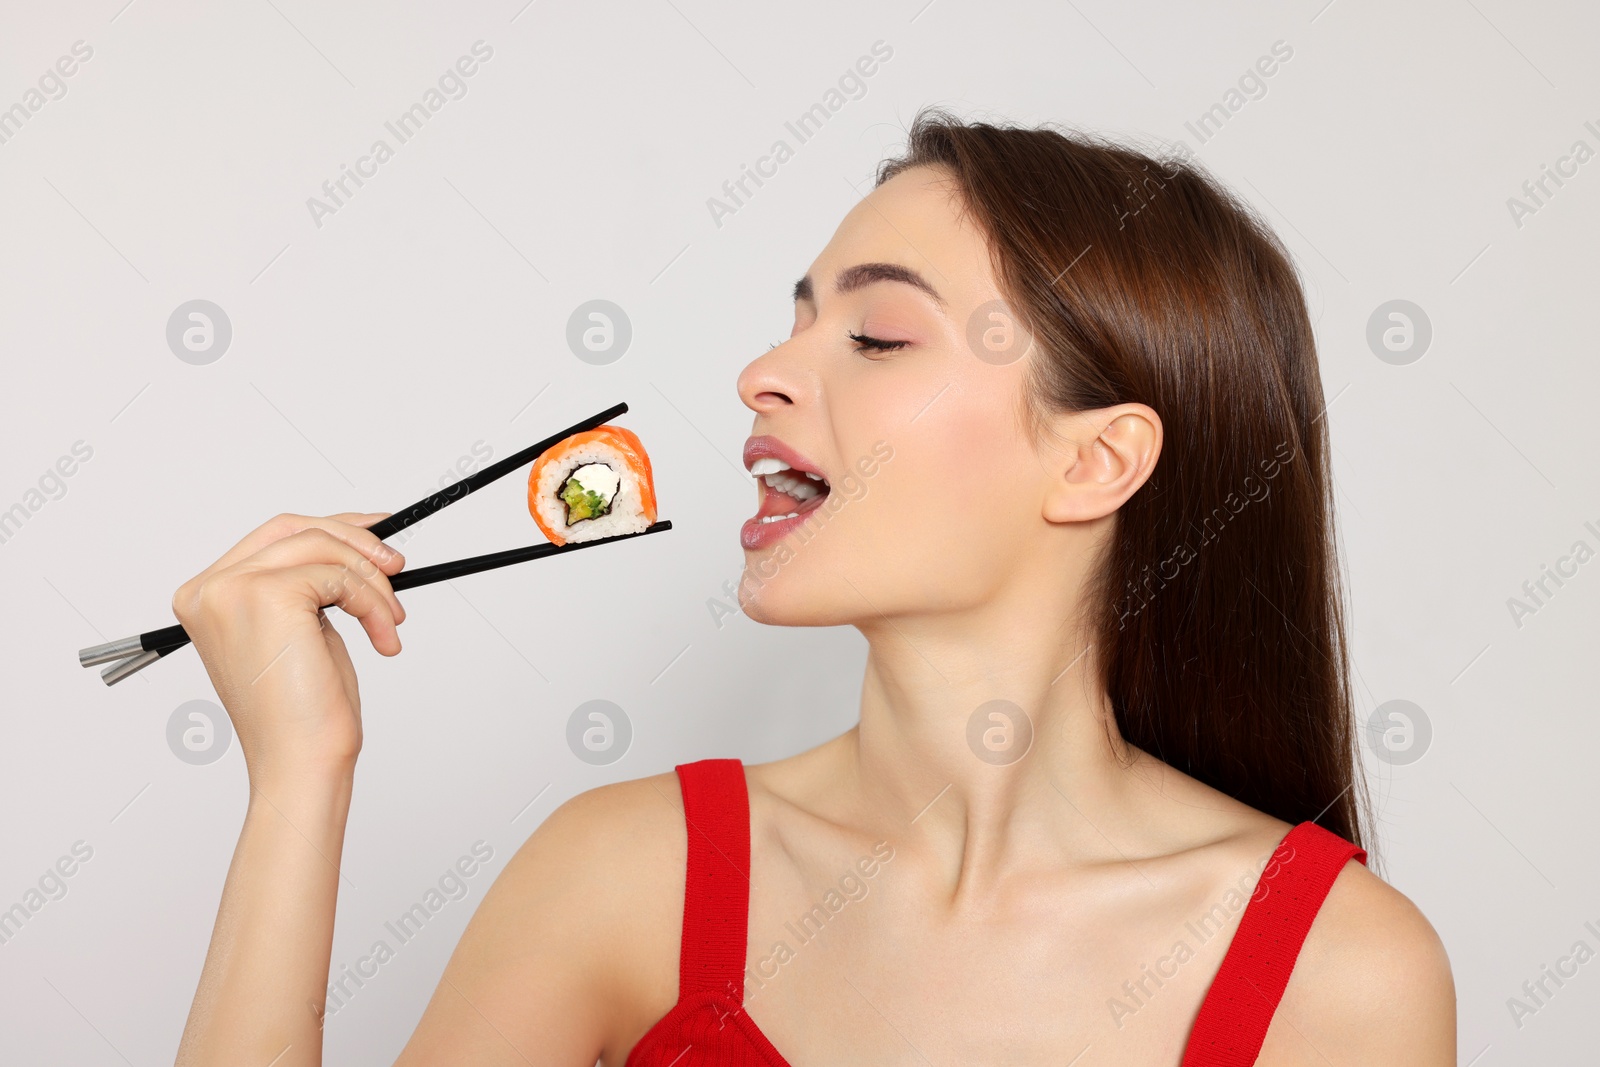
755 534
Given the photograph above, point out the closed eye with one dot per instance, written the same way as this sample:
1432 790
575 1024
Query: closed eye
864 343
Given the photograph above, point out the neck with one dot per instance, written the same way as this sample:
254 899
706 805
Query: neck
986 743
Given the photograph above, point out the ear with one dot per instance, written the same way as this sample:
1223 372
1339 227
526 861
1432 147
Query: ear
1109 453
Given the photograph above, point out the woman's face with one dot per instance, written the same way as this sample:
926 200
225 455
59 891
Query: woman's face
934 491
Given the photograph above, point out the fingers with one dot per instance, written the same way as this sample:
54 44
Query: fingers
342 546
281 526
348 526
367 601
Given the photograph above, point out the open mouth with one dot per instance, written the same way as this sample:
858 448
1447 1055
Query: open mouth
786 493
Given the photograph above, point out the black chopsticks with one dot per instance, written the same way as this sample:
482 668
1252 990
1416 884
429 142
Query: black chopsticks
135 653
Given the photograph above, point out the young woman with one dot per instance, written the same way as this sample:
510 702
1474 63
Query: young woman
1053 427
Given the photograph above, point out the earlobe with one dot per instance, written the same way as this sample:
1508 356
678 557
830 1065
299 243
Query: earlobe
1114 453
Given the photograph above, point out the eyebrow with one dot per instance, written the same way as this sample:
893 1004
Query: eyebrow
863 274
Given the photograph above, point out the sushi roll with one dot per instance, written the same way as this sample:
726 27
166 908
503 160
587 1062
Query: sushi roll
594 484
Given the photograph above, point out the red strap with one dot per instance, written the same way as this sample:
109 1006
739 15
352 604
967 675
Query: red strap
1237 1010
716 812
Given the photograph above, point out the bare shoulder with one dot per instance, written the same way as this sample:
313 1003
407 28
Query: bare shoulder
1372 984
611 859
576 940
609 833
614 852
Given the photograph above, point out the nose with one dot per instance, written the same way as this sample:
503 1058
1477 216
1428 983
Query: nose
772 381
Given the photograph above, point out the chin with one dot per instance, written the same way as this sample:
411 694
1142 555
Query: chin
784 595
773 599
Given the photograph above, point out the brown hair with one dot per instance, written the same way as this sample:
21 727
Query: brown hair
1218 624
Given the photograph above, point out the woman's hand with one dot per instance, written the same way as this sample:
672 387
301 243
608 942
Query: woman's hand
283 674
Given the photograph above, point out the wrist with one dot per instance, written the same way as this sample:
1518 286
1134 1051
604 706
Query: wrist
311 788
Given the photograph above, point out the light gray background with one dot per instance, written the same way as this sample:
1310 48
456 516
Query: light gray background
429 314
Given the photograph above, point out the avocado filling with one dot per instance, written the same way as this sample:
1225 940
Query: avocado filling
589 492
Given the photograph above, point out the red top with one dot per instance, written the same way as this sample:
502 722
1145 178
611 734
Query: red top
708 1027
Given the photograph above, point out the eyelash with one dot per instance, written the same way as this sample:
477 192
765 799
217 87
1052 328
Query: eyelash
863 343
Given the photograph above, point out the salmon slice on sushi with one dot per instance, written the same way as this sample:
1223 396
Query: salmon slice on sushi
594 484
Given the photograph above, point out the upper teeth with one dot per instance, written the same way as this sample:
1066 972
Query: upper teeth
771 470
767 465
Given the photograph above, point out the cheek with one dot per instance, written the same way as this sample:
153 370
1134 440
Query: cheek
960 480
942 520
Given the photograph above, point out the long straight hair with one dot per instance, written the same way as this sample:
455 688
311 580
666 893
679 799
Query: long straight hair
1218 617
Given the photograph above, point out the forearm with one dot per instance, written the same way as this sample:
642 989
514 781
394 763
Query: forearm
262 991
